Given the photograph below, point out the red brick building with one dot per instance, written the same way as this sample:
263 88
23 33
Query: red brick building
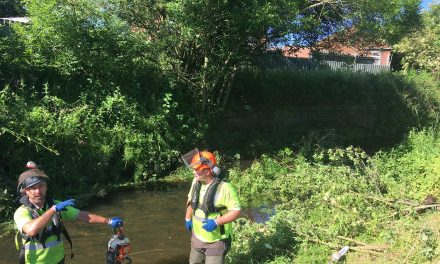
375 56
347 44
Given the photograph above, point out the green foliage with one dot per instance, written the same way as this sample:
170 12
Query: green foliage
428 239
84 97
107 92
339 193
11 65
421 48
257 243
271 110
427 90
6 204
411 171
87 144
203 45
312 253
197 47
11 8
85 47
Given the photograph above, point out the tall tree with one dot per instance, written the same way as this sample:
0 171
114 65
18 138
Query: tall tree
421 49
200 45
11 8
86 43
203 44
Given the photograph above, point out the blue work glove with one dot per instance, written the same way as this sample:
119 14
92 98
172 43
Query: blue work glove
188 224
115 222
209 225
62 206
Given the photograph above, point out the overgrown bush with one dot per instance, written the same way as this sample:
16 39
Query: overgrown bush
87 145
341 197
258 242
412 170
275 109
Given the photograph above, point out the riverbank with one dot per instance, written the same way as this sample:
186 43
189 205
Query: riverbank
384 206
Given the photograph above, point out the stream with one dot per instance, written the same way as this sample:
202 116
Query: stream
154 223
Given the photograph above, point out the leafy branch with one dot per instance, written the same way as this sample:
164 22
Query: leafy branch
23 138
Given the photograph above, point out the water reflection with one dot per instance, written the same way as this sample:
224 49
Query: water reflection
259 214
154 223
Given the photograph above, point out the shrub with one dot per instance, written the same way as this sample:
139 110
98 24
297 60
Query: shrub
336 195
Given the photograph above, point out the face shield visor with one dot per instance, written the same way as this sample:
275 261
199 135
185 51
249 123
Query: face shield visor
195 160
190 159
31 181
30 178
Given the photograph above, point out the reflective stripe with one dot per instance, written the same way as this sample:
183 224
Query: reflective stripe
198 218
38 246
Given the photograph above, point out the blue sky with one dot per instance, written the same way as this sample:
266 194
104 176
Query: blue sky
425 4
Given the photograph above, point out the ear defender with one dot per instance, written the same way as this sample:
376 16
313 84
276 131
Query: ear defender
214 168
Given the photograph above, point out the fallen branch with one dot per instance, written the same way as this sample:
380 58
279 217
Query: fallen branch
332 246
426 206
22 138
366 251
364 246
390 202
308 238
370 249
352 240
409 253
376 248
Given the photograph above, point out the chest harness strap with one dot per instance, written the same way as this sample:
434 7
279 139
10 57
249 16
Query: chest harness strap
207 205
57 228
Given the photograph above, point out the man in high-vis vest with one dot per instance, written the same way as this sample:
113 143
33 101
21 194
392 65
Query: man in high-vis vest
211 208
39 220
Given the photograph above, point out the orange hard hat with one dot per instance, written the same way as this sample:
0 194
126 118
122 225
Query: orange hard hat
203 160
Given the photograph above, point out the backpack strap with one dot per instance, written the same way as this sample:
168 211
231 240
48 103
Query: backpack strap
57 226
60 228
208 206
195 196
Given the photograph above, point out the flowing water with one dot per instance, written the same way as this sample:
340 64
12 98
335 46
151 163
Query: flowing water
154 223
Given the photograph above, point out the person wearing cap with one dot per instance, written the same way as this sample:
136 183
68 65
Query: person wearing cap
212 206
39 219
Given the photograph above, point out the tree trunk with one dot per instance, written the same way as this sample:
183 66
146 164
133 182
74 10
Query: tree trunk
204 87
229 87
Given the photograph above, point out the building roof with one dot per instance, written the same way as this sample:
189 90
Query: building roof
344 42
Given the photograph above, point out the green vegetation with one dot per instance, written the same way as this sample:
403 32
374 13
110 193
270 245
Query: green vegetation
107 94
277 109
11 8
421 48
343 197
